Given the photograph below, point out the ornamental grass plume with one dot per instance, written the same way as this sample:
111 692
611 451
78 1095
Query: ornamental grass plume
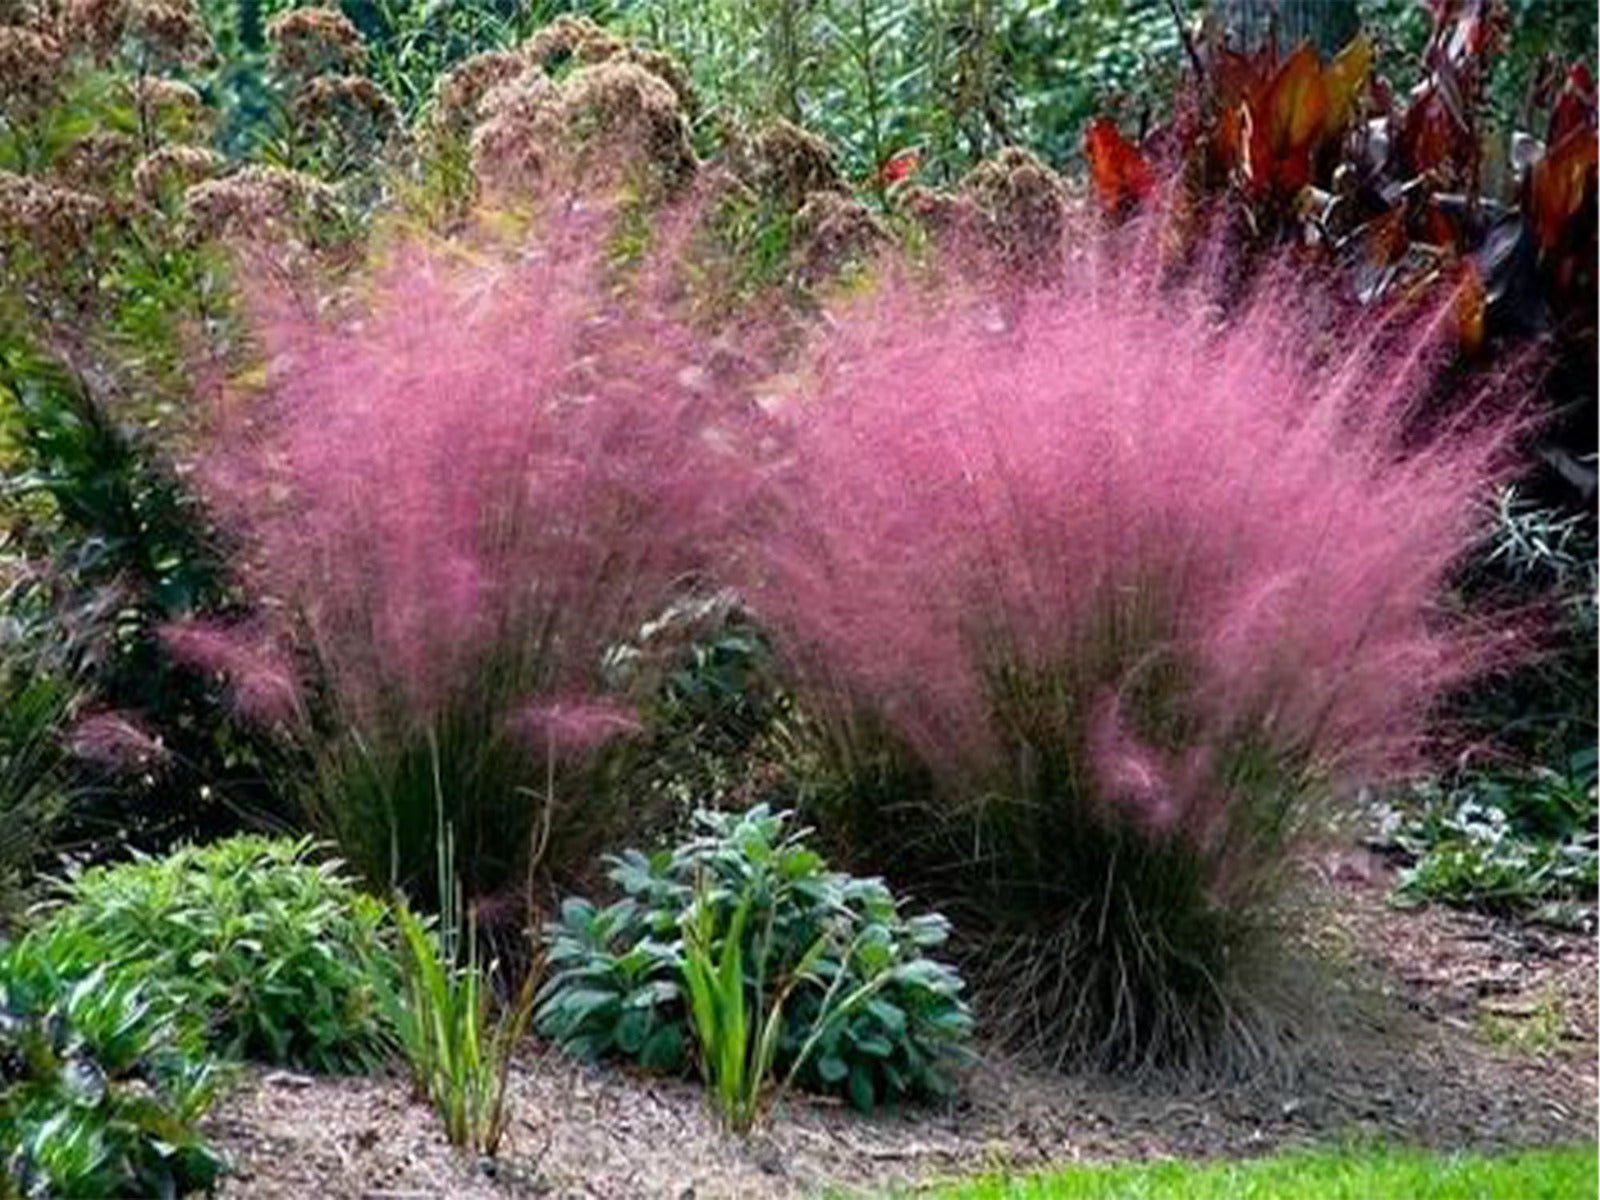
458 498
1105 602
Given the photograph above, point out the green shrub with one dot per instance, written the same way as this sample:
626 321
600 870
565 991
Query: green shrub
618 973
275 951
100 1079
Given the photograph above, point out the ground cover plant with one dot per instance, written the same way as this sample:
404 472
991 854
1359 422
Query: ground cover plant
741 946
101 1078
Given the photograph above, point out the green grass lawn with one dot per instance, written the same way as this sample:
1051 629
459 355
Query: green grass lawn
1348 1175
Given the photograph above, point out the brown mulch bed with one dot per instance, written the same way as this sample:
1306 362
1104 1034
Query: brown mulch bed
1446 1069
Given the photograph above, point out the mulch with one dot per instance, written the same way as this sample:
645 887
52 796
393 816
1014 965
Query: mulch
1428 1074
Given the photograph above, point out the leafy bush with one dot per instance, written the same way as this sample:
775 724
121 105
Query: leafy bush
273 951
1102 608
463 500
101 1080
855 1008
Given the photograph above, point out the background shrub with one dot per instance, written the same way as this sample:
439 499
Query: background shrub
271 950
616 987
101 1079
1103 608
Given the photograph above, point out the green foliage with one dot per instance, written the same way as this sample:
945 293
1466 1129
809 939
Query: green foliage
1538 555
954 80
1073 59
1505 843
459 1053
35 783
114 545
101 1080
837 989
277 953
1519 835
1353 1174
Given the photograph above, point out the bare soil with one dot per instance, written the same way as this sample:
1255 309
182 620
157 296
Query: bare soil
1488 1040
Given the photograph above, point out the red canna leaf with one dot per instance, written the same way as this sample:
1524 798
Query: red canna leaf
1574 107
1282 125
1561 185
1344 79
1118 171
901 166
1471 310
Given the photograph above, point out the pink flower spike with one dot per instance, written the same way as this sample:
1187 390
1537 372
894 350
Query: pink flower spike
117 742
577 727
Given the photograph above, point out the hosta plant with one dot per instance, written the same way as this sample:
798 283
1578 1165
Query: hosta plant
273 950
101 1080
741 945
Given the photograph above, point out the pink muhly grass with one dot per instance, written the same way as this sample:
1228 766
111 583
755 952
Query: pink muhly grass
116 742
261 680
463 494
1134 589
572 728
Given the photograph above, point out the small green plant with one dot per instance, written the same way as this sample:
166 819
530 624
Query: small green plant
1505 843
101 1080
743 943
275 951
458 1052
1535 1029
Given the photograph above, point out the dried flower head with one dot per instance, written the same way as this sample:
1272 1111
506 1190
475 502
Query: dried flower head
167 34
831 232
521 123
98 26
569 37
172 170
55 223
169 102
350 113
32 65
96 163
619 116
460 92
258 201
786 164
1023 204
310 42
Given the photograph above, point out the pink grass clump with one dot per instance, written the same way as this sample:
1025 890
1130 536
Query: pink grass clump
1128 582
117 742
455 498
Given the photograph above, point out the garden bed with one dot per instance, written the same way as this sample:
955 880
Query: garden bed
1487 1040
